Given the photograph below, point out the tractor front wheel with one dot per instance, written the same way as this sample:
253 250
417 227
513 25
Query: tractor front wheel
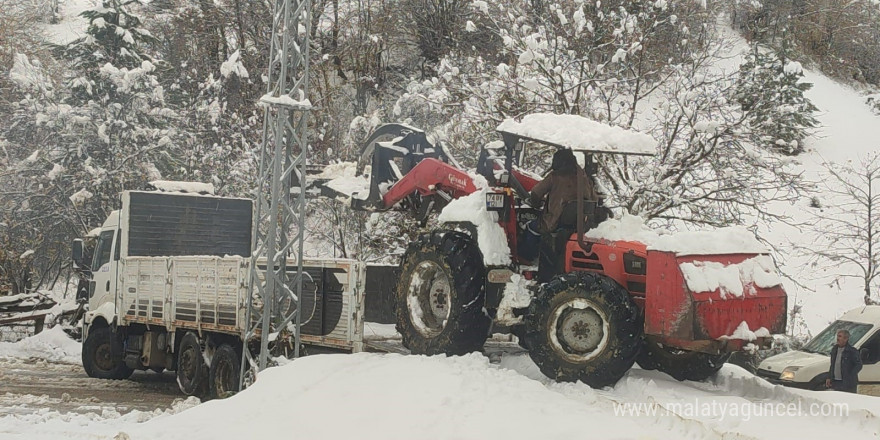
583 326
680 364
441 295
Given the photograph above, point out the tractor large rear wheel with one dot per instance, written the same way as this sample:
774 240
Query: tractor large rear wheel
583 326
680 364
441 295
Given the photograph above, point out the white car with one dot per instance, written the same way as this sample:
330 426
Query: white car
808 367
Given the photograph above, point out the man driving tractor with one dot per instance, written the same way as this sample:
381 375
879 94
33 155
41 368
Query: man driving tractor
558 192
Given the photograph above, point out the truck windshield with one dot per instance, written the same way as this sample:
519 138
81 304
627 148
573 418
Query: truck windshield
102 249
823 342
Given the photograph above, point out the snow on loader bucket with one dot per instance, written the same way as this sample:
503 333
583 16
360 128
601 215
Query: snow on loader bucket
620 298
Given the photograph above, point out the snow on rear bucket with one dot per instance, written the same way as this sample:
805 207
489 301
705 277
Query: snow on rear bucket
708 297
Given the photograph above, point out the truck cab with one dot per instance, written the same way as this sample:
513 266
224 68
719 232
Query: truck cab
105 267
808 367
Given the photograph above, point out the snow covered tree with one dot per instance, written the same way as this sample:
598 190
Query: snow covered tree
222 132
771 90
847 225
71 149
609 65
118 132
600 60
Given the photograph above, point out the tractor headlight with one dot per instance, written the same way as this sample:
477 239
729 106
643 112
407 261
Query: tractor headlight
788 373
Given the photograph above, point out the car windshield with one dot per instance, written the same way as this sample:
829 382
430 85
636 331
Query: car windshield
823 342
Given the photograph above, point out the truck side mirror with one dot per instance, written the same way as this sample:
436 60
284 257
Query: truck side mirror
77 251
867 356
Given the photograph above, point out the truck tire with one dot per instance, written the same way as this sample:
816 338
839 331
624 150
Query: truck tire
583 326
192 373
680 364
224 373
441 294
102 355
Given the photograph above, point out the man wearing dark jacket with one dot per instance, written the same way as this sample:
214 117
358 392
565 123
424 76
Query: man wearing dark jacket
558 188
845 365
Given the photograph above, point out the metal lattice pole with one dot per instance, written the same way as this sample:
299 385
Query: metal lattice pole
279 224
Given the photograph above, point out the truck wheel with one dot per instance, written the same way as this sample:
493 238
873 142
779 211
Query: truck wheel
192 373
583 326
102 355
680 364
224 373
441 295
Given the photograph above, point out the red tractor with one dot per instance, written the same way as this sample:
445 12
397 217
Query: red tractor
616 302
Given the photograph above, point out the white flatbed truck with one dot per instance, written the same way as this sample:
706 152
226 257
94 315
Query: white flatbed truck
168 290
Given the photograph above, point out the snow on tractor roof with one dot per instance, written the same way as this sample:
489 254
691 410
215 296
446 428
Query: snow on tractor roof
580 134
730 240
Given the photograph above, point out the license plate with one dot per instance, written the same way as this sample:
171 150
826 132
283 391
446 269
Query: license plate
495 201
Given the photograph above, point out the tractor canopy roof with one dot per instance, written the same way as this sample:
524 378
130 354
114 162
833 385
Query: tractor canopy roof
579 134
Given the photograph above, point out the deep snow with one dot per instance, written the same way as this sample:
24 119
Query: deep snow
376 396
391 396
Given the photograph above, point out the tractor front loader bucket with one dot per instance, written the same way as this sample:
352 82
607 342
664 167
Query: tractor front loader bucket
392 151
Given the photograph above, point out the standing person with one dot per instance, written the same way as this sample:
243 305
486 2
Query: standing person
559 187
845 365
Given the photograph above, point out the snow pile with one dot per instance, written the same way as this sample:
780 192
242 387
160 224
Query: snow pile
516 295
490 235
342 178
731 240
626 228
392 397
183 187
579 133
286 101
743 332
732 280
336 170
52 345
26 299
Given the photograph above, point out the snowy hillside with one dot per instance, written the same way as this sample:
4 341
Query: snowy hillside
849 131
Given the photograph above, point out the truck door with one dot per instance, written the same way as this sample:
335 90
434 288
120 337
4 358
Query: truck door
104 272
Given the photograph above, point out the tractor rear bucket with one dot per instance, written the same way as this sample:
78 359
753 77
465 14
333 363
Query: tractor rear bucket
713 303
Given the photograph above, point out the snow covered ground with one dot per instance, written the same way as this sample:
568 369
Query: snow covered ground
389 396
